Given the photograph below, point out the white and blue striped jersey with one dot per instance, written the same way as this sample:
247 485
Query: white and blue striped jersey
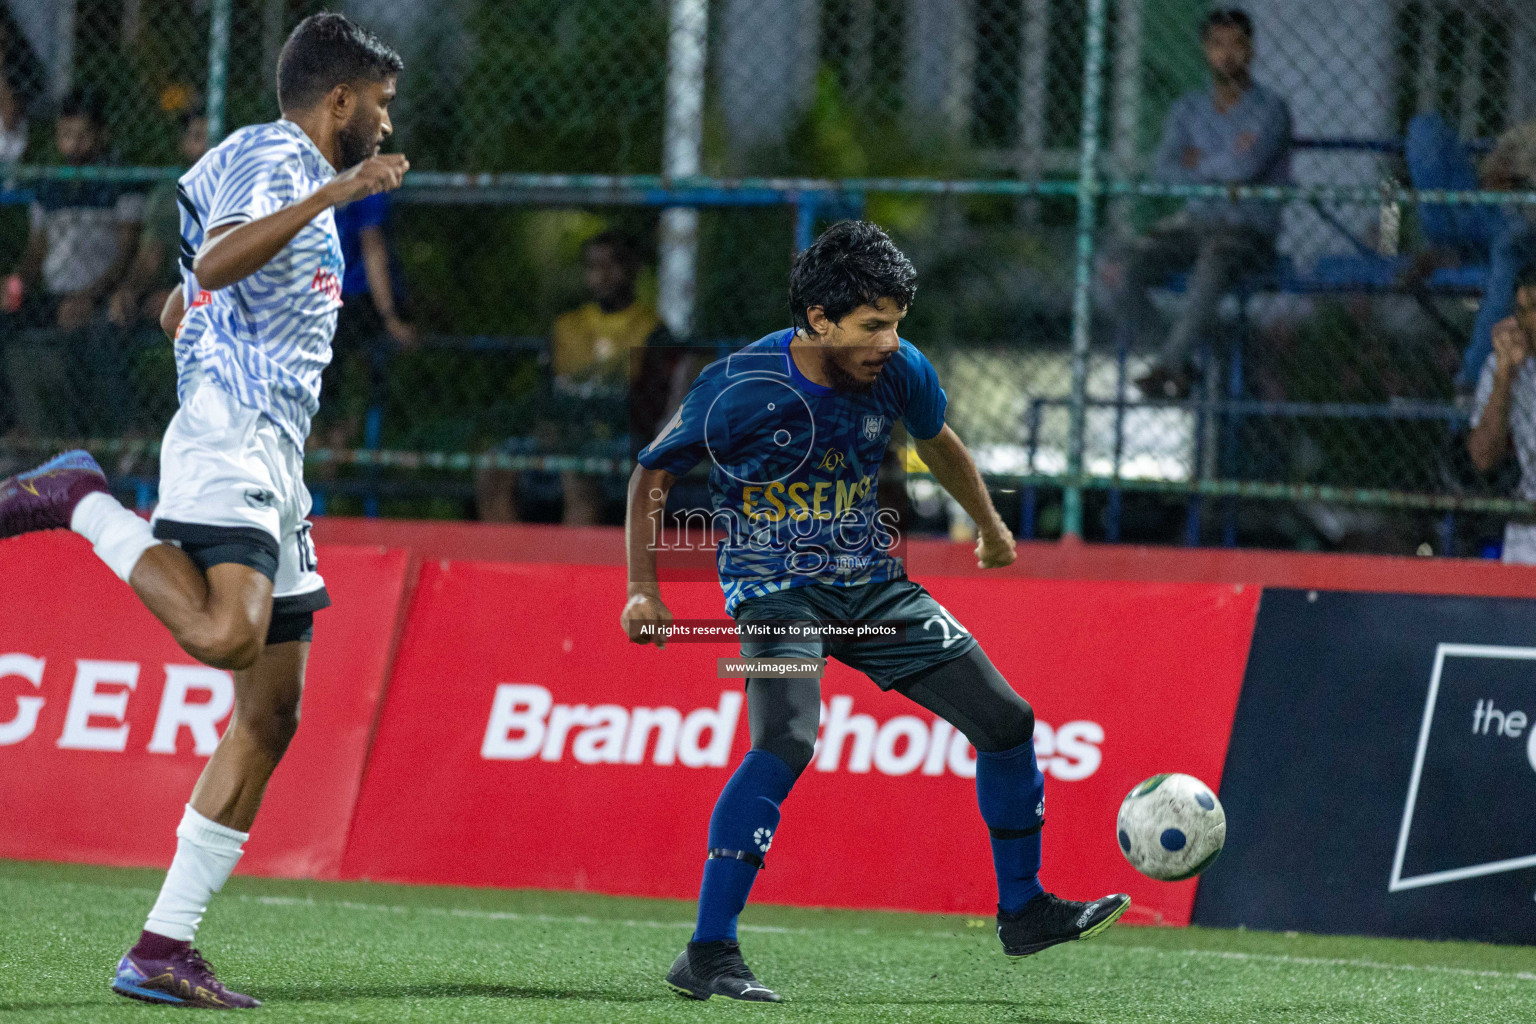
267 338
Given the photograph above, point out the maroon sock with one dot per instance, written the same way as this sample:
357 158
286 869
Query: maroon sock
152 946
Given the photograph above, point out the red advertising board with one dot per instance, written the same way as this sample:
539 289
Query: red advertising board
105 723
525 742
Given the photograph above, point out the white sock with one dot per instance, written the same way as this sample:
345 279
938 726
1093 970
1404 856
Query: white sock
206 852
119 536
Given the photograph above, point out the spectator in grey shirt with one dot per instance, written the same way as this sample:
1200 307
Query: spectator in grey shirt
1505 410
1235 133
66 378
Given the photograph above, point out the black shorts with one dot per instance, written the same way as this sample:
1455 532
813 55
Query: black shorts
931 637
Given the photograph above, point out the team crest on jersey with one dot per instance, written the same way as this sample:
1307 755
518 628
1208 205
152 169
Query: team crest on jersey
872 427
832 459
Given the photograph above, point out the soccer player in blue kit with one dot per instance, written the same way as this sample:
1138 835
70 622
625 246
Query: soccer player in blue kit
796 426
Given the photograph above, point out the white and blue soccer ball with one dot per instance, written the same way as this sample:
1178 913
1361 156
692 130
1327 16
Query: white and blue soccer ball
1171 827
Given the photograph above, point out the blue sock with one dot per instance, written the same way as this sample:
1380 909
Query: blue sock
1011 792
744 820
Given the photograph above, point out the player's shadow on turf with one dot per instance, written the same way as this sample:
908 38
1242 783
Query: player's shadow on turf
427 990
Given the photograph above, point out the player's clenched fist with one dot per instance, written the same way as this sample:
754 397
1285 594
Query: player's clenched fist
376 174
646 620
994 548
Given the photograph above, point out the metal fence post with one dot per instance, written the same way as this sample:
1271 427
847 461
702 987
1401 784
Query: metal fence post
218 67
1082 307
1126 105
682 152
63 48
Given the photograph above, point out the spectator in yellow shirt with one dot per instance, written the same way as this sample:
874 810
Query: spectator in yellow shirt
592 342
613 362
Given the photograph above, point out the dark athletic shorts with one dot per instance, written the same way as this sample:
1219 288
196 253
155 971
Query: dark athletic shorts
932 635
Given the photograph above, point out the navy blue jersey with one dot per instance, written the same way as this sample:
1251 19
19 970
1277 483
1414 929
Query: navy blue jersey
794 465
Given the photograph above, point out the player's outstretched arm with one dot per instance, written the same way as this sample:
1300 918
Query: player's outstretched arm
234 253
956 472
642 525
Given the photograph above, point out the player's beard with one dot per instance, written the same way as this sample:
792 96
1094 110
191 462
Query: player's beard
357 141
842 380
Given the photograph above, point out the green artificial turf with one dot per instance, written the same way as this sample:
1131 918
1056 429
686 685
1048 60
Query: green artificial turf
363 952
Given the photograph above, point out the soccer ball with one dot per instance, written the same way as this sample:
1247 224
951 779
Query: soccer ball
1171 827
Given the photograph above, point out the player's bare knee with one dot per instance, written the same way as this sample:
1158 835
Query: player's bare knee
221 645
214 657
233 645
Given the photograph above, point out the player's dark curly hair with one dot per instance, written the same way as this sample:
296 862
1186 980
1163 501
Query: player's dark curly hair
327 50
854 263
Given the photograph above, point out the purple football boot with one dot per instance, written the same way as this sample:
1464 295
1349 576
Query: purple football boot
181 978
45 498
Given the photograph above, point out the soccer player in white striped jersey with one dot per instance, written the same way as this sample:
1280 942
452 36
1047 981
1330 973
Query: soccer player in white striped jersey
226 563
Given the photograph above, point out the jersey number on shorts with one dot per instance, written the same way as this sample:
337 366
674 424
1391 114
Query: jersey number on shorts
945 622
307 560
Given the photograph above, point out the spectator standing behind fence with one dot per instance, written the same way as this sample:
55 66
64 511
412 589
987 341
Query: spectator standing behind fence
83 233
156 265
613 364
372 324
1505 410
82 240
1235 133
373 288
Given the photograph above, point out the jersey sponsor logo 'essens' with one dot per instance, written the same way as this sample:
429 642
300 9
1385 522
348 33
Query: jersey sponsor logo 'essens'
806 500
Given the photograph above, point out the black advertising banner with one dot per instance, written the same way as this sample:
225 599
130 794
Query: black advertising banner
1381 777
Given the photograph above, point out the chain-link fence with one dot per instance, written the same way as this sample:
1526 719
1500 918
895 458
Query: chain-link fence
1144 335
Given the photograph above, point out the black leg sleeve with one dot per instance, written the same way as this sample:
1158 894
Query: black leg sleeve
970 693
783 715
